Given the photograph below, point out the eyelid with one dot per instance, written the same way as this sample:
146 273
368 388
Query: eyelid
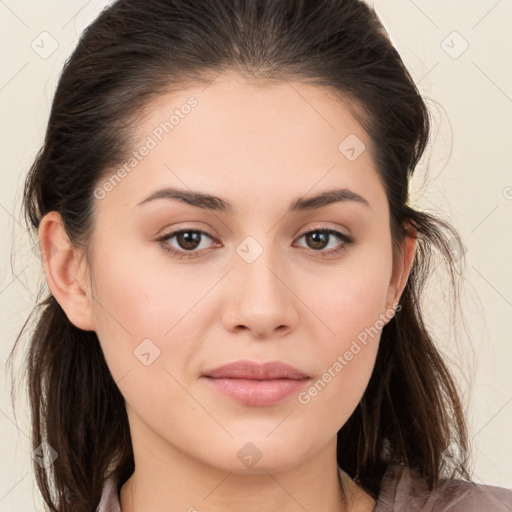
344 238
182 253
184 226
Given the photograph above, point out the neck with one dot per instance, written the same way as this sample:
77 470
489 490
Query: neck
168 478
351 498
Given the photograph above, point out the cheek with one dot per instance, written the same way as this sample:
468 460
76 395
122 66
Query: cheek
353 298
352 307
140 307
140 293
346 358
142 323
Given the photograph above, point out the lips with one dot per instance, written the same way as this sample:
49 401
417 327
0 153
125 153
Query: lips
256 384
256 371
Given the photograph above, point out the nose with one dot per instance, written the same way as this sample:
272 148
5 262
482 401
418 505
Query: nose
261 299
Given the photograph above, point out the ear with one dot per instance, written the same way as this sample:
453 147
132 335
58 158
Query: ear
402 267
65 271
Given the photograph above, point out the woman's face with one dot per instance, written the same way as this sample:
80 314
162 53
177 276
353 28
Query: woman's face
254 286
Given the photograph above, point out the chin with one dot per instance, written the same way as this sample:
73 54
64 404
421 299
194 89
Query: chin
260 454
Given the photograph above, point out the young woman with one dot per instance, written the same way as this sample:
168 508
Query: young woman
235 271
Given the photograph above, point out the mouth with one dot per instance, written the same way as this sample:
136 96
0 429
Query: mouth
256 371
256 384
257 392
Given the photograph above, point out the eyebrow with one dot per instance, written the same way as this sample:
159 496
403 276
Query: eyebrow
214 203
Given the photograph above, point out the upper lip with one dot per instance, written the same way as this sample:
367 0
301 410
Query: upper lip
258 371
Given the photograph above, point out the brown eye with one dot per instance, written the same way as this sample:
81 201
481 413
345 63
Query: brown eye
187 240
319 239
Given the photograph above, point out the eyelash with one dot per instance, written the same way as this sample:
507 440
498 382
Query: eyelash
342 237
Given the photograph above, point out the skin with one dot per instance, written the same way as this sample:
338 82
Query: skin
259 147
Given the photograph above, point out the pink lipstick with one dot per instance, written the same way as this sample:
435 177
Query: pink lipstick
255 383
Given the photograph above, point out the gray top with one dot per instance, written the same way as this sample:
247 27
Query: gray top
402 490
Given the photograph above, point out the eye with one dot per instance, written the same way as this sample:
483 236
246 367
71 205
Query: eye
187 239
319 238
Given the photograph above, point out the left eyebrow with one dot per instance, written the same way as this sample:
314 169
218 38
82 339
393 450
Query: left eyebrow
214 203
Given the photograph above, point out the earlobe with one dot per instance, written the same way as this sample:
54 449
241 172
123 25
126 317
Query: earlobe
403 267
63 268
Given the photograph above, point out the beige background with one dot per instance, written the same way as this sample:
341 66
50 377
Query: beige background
469 183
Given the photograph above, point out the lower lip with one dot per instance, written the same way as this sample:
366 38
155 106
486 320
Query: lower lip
257 392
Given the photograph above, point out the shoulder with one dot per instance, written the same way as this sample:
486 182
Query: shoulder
109 501
404 490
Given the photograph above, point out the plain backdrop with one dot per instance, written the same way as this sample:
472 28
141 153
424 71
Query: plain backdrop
459 55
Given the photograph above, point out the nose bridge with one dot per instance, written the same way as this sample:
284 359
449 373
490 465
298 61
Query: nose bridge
261 300
257 266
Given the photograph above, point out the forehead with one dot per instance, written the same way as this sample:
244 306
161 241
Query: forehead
258 137
261 113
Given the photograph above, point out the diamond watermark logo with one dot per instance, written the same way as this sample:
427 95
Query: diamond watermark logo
44 45
146 352
352 147
249 249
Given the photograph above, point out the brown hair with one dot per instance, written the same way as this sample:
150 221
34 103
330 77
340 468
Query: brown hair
138 49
